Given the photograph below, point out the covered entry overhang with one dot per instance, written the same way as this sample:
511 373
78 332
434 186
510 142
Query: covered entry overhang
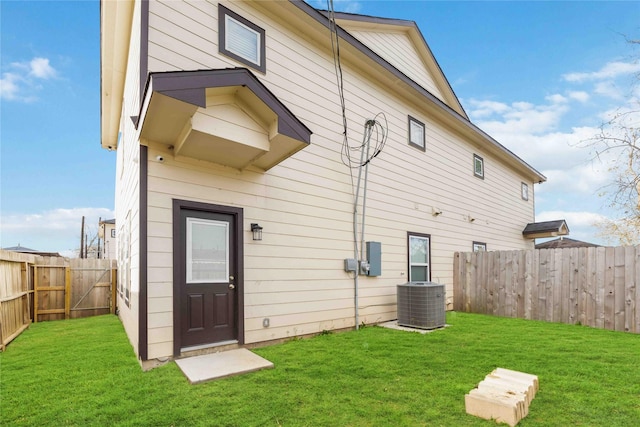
223 116
555 228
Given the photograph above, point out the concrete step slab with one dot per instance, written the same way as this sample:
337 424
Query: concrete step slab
224 364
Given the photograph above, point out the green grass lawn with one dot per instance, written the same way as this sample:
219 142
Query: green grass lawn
83 372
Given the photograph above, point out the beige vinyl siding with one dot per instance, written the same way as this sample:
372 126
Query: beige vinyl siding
295 276
127 184
397 49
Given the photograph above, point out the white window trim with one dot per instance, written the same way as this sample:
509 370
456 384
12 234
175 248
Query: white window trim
524 191
421 145
189 272
477 245
479 159
421 264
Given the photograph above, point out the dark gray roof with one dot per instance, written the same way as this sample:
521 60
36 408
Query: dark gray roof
20 249
564 242
108 221
23 250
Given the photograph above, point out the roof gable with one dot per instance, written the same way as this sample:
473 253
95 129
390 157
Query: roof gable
401 43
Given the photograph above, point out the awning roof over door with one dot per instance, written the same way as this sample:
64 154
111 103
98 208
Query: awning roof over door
223 116
546 229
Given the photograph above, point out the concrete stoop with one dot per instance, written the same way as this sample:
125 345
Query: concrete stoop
504 395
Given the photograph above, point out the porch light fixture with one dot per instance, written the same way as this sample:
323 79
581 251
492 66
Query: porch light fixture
257 231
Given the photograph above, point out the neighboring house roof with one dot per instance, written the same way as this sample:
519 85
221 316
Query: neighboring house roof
20 249
565 242
114 50
23 250
555 228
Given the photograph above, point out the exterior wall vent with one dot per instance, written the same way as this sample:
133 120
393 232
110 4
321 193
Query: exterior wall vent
421 305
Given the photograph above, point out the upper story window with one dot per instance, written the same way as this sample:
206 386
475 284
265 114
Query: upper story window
419 257
240 39
113 233
478 166
416 133
524 191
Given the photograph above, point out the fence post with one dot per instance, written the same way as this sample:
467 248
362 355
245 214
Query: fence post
114 290
36 282
67 292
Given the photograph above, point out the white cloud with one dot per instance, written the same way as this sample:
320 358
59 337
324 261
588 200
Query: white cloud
21 81
610 70
608 89
9 86
53 230
516 119
579 96
582 224
556 99
41 69
576 219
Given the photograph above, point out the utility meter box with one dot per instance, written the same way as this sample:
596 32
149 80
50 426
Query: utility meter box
374 257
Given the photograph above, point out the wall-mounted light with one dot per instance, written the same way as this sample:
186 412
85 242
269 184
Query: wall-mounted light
257 231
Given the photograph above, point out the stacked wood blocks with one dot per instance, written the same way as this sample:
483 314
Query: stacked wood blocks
503 395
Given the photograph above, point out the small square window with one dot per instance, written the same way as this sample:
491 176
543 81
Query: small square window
113 233
416 133
478 166
240 39
479 247
525 191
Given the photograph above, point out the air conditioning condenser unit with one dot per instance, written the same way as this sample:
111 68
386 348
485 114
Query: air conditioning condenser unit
421 305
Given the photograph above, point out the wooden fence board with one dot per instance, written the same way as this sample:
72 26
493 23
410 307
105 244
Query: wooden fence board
629 308
36 288
619 288
593 286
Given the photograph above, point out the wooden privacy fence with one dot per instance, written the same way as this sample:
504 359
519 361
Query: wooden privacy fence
36 288
596 286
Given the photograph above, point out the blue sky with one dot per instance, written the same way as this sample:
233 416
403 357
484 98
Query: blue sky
540 77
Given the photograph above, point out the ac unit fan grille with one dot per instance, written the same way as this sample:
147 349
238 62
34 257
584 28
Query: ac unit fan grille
421 305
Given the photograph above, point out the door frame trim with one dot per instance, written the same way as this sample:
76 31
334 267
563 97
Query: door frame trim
238 237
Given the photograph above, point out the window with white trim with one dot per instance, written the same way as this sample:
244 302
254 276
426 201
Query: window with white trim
419 257
478 166
479 247
524 191
240 39
416 134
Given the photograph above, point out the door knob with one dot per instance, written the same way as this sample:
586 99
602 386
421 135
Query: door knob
232 286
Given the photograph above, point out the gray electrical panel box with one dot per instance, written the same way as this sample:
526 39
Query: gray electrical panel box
374 257
350 264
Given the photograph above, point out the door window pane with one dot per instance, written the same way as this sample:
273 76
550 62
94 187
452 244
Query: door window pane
207 251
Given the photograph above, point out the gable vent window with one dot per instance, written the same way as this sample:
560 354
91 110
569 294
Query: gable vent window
240 39
478 166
